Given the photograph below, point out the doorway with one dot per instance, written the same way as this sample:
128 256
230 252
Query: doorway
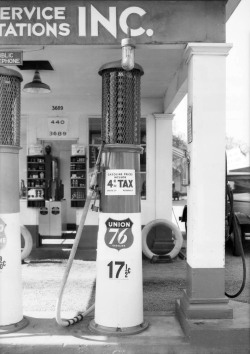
62 151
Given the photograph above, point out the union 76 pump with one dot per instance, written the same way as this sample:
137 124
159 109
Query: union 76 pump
119 297
11 312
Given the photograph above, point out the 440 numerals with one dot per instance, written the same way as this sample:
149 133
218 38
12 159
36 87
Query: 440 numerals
118 270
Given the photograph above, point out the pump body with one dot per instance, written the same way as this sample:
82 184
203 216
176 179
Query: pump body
10 241
119 296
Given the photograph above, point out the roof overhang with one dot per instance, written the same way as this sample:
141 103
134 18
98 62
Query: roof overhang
230 7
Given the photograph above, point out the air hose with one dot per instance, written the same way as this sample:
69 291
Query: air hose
92 189
234 225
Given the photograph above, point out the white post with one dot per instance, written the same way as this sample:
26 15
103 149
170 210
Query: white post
163 166
204 297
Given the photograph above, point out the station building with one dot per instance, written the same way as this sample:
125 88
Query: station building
181 46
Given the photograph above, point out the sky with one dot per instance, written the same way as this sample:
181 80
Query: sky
238 80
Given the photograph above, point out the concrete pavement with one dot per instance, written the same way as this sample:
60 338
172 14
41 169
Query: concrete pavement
164 335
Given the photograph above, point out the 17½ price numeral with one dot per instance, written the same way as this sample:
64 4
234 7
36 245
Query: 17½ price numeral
111 270
115 269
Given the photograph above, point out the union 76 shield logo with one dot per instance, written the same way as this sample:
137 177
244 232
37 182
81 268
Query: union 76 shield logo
3 239
119 234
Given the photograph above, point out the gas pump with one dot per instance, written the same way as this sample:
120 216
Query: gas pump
119 305
119 297
11 314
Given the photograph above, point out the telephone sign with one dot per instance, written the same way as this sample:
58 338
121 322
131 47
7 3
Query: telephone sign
11 58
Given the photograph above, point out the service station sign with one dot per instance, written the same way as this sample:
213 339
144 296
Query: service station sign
107 22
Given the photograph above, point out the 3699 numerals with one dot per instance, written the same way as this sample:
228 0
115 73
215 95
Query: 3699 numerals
57 108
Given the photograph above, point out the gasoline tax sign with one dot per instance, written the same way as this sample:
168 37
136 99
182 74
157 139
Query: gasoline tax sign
58 127
120 182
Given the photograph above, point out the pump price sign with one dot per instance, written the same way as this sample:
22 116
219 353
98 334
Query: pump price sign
120 182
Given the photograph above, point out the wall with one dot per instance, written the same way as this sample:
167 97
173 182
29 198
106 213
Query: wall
238 75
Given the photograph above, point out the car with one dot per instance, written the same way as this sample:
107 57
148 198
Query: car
239 184
238 202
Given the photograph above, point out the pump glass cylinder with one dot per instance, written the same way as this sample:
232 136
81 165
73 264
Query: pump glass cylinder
128 57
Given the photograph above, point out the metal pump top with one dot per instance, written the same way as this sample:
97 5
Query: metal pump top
121 103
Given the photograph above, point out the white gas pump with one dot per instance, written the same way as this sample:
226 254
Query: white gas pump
119 296
119 302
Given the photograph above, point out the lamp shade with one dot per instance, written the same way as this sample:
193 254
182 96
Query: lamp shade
36 85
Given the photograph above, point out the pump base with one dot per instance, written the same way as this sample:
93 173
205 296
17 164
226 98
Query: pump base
14 327
93 326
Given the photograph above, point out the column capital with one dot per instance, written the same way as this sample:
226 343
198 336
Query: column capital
163 116
214 49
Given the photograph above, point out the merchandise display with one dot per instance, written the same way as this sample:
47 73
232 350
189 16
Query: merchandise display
78 180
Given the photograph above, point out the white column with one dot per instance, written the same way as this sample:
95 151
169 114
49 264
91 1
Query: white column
206 193
163 165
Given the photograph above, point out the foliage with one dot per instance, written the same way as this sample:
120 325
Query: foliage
179 143
231 143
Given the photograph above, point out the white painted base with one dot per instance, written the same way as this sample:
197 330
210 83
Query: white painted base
10 271
119 301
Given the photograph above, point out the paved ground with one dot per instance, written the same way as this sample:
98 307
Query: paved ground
163 336
162 285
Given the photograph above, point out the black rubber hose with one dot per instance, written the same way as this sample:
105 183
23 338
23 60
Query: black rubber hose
234 224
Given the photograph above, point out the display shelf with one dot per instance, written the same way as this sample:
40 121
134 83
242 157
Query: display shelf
78 181
35 181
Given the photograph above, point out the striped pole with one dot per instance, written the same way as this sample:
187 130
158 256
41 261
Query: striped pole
11 316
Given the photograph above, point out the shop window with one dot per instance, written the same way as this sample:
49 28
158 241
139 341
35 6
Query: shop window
95 141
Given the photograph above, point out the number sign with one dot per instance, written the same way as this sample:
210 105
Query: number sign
58 128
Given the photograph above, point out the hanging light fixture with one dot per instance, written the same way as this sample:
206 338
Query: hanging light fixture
36 85
128 52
